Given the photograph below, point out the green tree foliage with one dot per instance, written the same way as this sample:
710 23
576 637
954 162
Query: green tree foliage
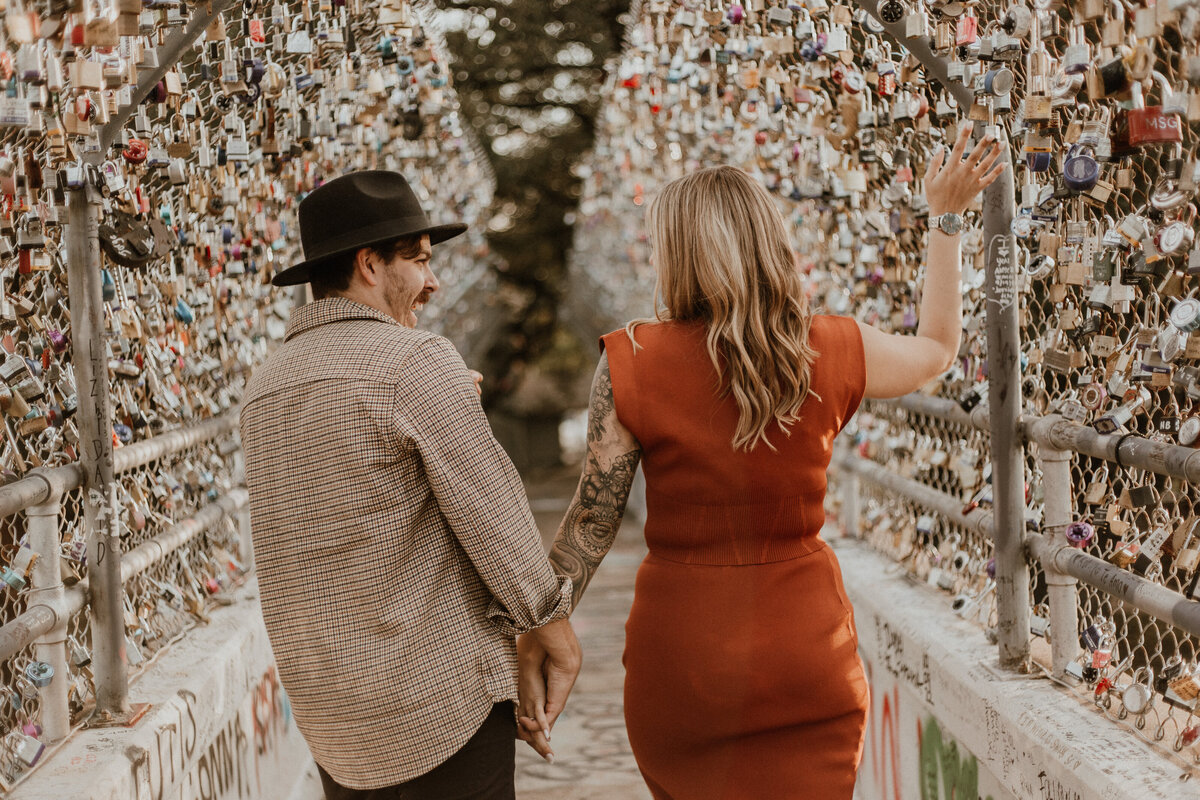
528 74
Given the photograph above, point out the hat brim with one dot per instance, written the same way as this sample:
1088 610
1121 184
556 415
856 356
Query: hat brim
303 272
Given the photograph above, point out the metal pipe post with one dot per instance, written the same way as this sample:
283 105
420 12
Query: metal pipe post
41 525
168 56
1004 377
1062 590
1004 404
89 356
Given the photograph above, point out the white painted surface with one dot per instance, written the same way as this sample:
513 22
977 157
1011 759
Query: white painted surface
1026 737
219 727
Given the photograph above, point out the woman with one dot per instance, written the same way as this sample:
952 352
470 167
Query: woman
742 673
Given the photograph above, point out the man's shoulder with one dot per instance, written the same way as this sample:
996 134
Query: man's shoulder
355 349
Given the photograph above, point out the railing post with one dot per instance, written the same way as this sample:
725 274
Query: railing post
89 356
1004 376
1062 589
42 527
1004 410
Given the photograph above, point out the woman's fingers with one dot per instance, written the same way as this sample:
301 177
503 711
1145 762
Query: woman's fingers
980 152
994 152
537 737
960 145
996 172
935 164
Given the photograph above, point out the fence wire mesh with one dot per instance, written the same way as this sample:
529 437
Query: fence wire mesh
840 131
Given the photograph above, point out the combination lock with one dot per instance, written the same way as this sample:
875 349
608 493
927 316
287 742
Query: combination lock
891 11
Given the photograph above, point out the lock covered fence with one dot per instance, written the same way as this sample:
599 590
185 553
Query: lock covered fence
151 159
1070 535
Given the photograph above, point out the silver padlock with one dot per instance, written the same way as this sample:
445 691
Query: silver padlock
1137 696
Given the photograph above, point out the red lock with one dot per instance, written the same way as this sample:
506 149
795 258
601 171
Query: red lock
967 30
885 85
136 151
853 82
1143 126
257 31
1148 126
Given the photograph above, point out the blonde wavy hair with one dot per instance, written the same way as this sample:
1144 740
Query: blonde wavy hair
722 255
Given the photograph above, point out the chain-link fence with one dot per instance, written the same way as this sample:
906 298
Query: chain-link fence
837 114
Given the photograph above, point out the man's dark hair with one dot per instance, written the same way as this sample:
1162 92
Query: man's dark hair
334 277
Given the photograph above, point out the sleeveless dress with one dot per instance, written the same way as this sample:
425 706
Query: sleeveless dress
742 676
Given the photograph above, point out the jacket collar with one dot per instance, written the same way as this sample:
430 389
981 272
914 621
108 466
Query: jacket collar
330 309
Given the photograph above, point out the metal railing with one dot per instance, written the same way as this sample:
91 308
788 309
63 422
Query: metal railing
51 603
1064 565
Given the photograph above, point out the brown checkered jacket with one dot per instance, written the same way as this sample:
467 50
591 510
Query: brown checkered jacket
396 553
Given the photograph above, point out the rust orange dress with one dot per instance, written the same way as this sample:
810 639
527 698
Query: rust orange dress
742 676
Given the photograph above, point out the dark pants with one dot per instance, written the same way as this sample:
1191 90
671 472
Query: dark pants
481 770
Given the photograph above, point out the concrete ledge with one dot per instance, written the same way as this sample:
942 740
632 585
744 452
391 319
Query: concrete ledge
943 715
219 726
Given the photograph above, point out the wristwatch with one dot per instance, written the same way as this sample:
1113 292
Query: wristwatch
949 224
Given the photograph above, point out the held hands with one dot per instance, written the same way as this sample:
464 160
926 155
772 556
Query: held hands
478 378
951 184
544 683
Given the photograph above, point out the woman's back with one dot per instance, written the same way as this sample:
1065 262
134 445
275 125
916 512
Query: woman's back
742 677
708 503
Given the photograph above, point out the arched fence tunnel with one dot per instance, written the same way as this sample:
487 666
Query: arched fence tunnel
1039 497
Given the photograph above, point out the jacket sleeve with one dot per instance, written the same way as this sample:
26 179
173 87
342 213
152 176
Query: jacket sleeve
436 408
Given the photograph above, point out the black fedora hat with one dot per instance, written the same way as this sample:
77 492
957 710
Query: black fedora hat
358 210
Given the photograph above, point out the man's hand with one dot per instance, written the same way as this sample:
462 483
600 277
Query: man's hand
478 378
549 659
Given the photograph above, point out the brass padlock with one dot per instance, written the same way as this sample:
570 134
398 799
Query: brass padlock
1125 554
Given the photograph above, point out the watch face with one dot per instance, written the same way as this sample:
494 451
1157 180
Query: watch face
950 223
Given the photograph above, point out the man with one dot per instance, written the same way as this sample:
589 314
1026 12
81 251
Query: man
397 556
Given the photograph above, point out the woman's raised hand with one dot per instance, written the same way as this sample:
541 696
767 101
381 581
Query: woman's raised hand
951 184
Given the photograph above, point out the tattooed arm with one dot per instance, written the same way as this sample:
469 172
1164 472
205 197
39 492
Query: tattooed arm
586 534
594 516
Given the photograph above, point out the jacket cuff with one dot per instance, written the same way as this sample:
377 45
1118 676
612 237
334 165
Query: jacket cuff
558 607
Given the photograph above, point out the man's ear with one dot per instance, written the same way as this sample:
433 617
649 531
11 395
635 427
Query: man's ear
367 267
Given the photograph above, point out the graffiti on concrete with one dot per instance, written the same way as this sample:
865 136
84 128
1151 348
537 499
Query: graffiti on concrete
941 758
227 766
883 743
912 669
156 770
907 754
272 715
221 771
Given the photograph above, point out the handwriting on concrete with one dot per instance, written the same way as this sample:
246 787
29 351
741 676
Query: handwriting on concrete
912 671
227 765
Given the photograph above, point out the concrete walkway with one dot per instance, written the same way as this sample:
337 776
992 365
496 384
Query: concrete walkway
592 756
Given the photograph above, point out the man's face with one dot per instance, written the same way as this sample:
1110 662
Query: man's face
408 283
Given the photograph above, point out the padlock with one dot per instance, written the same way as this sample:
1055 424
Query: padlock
1080 169
1137 695
28 748
1124 555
